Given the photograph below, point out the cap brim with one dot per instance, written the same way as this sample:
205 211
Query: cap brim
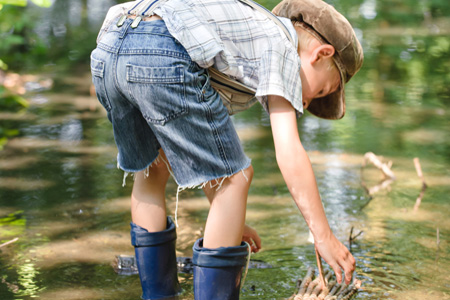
331 107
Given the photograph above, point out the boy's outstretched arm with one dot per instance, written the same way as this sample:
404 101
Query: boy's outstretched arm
297 172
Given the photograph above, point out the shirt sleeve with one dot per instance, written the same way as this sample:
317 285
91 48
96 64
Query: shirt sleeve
279 74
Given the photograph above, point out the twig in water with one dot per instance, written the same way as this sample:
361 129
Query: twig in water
306 281
311 289
438 242
352 237
9 242
389 176
424 185
384 167
419 171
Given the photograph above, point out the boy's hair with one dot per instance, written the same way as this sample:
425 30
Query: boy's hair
330 27
305 39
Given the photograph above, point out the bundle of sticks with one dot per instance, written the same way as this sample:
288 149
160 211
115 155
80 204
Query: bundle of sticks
309 288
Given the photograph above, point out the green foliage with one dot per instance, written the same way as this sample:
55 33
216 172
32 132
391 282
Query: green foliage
14 2
12 225
42 3
3 66
11 102
15 35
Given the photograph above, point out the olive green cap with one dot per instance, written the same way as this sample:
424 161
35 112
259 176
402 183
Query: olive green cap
325 23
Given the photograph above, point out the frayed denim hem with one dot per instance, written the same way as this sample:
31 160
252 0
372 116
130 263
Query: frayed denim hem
213 183
146 170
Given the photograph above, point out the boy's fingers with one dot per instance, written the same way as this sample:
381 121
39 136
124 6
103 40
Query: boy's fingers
337 272
348 276
349 268
253 245
348 273
257 241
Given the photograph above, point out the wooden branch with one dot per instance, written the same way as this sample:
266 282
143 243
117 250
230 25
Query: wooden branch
10 242
438 242
323 282
352 237
311 289
419 171
376 161
419 199
306 281
424 185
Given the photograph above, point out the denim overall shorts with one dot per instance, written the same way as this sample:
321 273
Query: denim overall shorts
157 97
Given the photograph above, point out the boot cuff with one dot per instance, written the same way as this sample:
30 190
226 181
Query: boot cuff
219 257
140 237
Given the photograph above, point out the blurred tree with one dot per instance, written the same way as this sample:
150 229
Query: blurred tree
12 33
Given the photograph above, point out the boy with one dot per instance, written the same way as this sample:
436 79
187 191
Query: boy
151 76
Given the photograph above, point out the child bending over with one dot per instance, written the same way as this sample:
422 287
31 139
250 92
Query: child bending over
151 75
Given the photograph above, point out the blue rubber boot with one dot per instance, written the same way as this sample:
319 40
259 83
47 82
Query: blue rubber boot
217 272
157 262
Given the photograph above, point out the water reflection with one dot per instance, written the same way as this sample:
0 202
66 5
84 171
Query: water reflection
27 279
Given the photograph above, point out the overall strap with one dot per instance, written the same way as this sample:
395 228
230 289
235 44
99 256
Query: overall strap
145 8
142 9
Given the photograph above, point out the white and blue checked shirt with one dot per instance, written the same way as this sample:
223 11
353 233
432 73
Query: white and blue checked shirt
238 41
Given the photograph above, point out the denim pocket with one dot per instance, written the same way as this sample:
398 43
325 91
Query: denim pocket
98 78
158 91
204 86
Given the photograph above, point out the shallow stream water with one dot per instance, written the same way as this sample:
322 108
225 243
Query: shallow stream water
62 196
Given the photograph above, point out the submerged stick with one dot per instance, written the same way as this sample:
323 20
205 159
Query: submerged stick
324 293
312 290
438 242
9 242
424 184
335 291
419 171
352 237
306 281
356 286
344 291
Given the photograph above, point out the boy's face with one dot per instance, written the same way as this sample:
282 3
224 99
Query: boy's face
318 79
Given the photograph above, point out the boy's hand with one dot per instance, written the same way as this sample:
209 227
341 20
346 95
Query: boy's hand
337 256
298 174
252 238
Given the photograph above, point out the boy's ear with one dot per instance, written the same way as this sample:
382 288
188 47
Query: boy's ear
322 51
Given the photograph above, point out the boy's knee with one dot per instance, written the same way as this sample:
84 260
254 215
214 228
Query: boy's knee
160 169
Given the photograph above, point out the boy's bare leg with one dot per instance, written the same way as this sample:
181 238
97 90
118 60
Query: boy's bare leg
226 218
148 205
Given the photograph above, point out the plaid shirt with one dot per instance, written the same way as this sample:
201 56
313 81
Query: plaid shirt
238 41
